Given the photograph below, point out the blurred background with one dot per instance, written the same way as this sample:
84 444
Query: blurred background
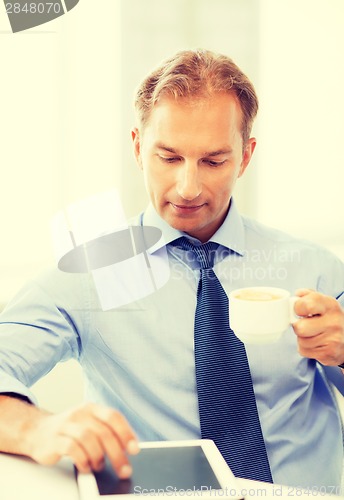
66 113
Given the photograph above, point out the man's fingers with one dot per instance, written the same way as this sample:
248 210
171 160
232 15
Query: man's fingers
117 457
320 329
117 439
88 439
119 426
71 448
62 446
325 353
87 435
101 431
311 303
310 327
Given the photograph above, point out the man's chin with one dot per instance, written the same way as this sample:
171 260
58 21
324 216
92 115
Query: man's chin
185 226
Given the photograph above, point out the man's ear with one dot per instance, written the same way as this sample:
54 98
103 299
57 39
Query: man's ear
135 135
247 155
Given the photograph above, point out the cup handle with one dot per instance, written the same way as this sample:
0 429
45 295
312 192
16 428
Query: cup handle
293 317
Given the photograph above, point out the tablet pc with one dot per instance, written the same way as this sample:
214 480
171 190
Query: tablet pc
193 469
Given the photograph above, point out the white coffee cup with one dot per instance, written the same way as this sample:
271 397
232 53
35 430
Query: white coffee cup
261 315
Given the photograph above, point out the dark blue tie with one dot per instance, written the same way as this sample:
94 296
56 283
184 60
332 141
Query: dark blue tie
227 405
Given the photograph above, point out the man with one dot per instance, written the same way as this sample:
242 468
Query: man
192 142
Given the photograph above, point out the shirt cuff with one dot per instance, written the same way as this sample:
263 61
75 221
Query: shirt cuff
10 385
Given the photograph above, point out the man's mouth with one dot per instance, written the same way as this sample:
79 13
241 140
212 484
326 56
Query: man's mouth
186 209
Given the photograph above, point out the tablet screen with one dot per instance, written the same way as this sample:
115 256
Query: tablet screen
161 469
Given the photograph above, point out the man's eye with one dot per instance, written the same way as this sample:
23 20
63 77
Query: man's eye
170 159
213 163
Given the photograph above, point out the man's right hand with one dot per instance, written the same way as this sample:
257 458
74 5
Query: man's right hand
85 434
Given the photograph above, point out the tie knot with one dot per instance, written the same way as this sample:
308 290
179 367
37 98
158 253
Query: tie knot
205 254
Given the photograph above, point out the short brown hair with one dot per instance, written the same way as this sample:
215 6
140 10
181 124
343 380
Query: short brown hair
197 73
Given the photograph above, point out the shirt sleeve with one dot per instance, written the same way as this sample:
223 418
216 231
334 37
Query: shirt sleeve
42 325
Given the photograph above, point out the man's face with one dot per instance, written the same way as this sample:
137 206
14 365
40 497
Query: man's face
191 154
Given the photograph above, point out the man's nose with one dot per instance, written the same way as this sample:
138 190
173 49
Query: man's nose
189 184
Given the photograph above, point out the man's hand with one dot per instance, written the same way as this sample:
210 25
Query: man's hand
86 435
320 331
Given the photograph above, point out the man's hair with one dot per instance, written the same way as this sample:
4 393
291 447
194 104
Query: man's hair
197 74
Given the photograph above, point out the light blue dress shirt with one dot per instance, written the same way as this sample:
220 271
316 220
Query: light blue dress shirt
139 358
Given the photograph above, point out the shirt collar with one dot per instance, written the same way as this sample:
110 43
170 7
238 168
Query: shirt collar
231 233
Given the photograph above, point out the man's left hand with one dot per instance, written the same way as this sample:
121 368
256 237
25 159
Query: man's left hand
320 331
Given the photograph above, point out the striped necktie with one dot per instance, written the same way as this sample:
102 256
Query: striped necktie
227 406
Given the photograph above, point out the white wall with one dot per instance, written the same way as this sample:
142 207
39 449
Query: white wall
61 389
300 179
60 121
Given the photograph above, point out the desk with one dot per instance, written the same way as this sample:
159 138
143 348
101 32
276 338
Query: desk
22 479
